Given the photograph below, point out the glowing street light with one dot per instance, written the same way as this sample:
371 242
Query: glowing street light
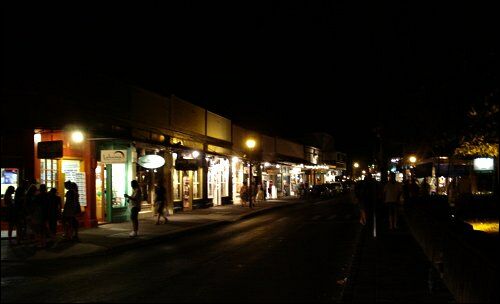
77 136
412 159
251 143
356 165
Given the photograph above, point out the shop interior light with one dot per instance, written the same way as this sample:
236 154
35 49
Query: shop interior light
37 137
77 136
195 154
235 159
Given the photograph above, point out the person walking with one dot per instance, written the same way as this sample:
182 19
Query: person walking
160 199
11 211
392 195
135 206
368 193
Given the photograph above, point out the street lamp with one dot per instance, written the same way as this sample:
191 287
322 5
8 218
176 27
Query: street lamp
412 159
355 165
250 143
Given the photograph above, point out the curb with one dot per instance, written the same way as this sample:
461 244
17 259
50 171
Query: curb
159 238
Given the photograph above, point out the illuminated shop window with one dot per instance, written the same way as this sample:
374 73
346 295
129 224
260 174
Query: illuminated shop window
197 185
48 172
176 183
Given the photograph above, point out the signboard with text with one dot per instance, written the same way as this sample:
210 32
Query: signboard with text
114 156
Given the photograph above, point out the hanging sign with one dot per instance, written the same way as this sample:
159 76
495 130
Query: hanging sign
114 156
151 161
50 149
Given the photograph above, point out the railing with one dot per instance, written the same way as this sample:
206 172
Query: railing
466 259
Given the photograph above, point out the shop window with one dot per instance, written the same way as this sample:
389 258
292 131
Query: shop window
225 179
176 183
197 184
48 173
10 177
210 177
118 187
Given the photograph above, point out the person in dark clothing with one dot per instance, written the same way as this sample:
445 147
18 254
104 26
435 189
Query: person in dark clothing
20 211
369 193
160 199
54 211
11 211
39 216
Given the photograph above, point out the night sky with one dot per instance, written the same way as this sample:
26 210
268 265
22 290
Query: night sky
290 67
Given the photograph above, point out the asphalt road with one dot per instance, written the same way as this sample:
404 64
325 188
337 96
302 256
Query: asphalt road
296 254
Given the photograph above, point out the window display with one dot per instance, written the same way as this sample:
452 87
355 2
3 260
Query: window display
118 178
10 177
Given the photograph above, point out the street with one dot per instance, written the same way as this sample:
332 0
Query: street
293 254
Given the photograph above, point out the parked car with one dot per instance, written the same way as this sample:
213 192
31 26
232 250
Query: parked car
335 188
320 191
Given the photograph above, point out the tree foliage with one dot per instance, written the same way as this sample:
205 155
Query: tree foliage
481 136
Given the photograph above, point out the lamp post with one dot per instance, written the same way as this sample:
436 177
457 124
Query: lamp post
250 143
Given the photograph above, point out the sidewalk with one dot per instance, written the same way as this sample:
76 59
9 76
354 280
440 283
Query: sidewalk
110 238
393 268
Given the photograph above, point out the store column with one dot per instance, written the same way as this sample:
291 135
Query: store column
168 183
90 162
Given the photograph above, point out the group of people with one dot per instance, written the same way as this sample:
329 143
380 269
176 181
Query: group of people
392 195
35 212
135 201
256 193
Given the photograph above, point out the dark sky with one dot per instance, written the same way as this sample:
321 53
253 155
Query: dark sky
290 67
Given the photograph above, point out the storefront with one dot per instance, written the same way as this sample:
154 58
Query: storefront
187 179
218 180
272 180
60 157
114 171
238 178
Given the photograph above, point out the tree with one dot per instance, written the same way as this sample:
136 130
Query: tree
481 137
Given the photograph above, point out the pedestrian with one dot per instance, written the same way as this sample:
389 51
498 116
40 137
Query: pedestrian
135 206
10 208
54 212
270 189
30 207
40 216
425 189
244 195
70 212
368 193
414 191
392 195
260 194
160 199
20 211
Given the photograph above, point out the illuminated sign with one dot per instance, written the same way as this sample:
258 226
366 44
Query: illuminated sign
114 156
151 161
483 164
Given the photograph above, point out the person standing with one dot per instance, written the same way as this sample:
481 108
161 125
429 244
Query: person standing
54 211
392 195
11 211
20 211
135 206
40 216
244 195
71 210
160 199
